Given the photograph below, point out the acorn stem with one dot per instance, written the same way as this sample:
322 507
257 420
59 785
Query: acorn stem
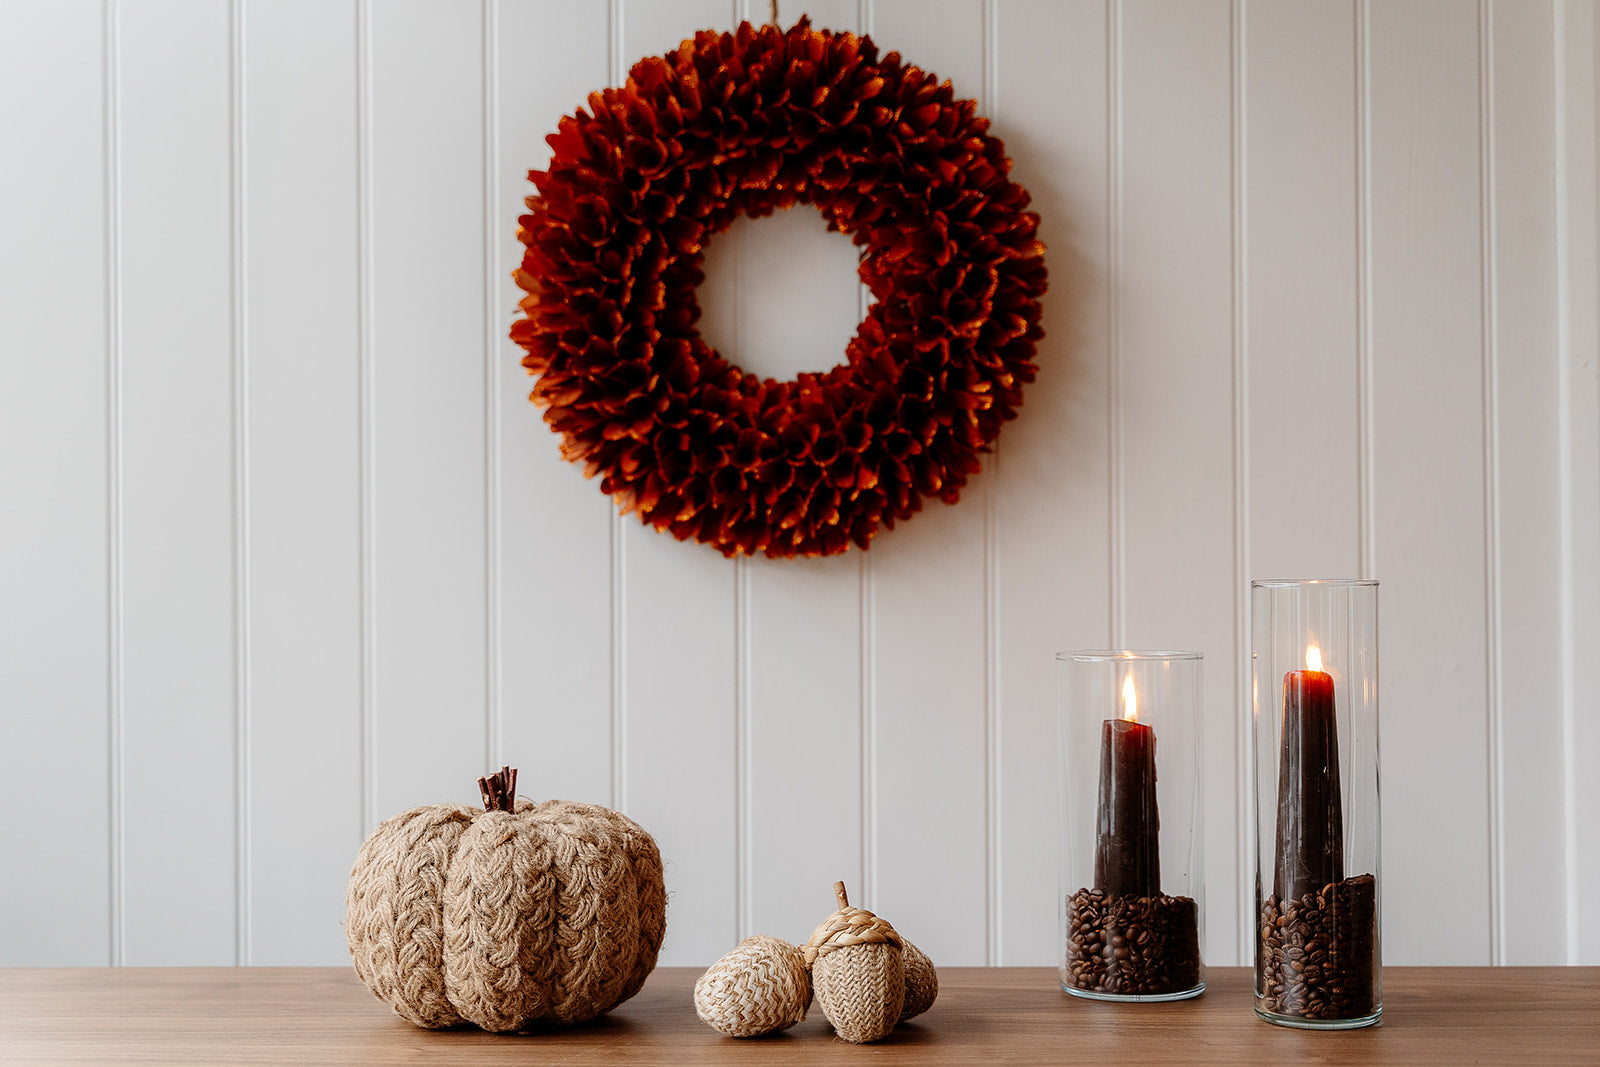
840 895
499 790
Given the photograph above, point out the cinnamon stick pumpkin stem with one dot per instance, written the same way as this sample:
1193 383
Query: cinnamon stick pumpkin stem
840 895
499 790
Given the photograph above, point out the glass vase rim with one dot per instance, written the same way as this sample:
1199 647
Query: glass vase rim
1287 583
1125 655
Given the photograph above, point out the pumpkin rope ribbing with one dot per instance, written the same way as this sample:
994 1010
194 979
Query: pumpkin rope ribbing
395 909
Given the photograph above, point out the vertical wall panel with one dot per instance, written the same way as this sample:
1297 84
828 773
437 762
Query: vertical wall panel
1174 349
302 353
798 305
1577 35
553 527
1300 327
427 434
802 817
1525 421
178 483
680 773
802 670
930 747
1426 322
54 676
1050 488
1300 320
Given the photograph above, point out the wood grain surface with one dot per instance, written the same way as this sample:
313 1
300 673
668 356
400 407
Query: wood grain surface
1011 1015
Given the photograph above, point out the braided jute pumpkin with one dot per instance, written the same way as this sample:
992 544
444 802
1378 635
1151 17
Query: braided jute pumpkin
517 915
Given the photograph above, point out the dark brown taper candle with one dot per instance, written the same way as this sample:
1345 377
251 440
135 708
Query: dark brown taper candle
1310 812
1127 860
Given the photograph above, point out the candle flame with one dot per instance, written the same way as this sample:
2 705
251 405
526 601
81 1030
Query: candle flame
1313 658
1130 700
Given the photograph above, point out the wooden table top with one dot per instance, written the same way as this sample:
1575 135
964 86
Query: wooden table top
1004 1015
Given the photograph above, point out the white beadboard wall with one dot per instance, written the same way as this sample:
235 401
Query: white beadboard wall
286 549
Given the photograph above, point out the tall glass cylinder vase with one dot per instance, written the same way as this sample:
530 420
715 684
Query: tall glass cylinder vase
1314 706
1132 881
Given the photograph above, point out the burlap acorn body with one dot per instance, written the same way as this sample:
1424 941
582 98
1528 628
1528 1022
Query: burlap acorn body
858 972
551 913
861 989
762 986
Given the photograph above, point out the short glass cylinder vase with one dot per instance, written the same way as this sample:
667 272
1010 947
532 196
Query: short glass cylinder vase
1132 879
1314 710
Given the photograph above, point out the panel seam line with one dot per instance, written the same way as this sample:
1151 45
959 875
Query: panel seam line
367 438
1365 441
1242 740
866 13
991 587
744 832
111 90
1490 355
618 561
492 622
241 487
1114 176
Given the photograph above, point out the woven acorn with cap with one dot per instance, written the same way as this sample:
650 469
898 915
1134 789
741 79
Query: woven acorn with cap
517 915
867 977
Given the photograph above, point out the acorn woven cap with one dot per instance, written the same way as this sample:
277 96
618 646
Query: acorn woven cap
849 926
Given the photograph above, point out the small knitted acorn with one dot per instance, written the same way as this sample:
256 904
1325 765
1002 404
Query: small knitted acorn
858 972
759 987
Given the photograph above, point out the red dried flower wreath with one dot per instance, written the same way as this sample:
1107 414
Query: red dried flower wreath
746 123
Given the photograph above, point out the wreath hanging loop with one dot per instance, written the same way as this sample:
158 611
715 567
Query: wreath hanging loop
746 123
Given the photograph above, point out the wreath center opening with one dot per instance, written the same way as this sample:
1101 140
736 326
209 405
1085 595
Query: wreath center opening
782 295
